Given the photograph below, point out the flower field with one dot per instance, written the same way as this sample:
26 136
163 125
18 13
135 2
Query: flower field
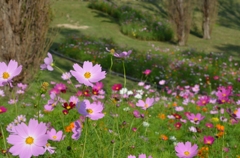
81 117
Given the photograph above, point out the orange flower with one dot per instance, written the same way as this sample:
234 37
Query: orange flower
219 134
204 109
220 127
163 137
69 127
161 116
175 104
203 152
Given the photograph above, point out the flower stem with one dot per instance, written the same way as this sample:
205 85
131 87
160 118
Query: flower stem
124 73
85 139
4 141
111 65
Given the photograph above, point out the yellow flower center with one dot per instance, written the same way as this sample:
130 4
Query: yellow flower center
186 153
47 145
195 119
54 137
0 110
87 75
68 107
29 140
6 75
112 51
90 111
146 105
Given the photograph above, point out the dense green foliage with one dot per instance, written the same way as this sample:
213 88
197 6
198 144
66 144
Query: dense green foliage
135 23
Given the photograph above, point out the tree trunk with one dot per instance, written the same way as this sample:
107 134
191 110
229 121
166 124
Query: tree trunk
209 12
206 28
181 27
23 28
180 14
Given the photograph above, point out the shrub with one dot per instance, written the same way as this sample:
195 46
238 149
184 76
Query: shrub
135 23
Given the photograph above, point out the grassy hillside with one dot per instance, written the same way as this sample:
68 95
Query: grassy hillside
225 34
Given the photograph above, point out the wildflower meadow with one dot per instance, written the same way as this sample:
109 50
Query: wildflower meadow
82 117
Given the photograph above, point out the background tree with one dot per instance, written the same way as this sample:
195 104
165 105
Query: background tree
23 28
180 13
209 12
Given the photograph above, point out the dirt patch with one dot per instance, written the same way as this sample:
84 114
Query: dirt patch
70 26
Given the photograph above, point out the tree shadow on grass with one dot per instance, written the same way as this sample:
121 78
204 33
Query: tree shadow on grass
108 18
157 4
230 50
229 13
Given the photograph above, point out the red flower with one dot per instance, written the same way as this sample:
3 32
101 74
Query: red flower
177 116
65 112
86 93
68 106
95 92
116 87
178 125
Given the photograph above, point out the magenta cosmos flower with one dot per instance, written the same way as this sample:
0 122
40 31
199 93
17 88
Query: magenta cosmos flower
88 74
93 111
147 72
8 72
48 63
2 109
186 150
144 105
28 140
208 140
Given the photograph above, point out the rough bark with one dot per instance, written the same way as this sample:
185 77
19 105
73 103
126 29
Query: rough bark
180 14
23 28
209 10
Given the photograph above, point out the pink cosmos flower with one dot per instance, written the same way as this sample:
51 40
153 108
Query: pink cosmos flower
88 74
208 140
61 87
12 101
8 72
195 118
136 114
2 93
144 105
238 113
22 86
2 109
54 135
147 72
139 156
66 76
123 54
49 148
48 63
98 86
93 111
73 99
28 140
162 82
203 100
186 150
